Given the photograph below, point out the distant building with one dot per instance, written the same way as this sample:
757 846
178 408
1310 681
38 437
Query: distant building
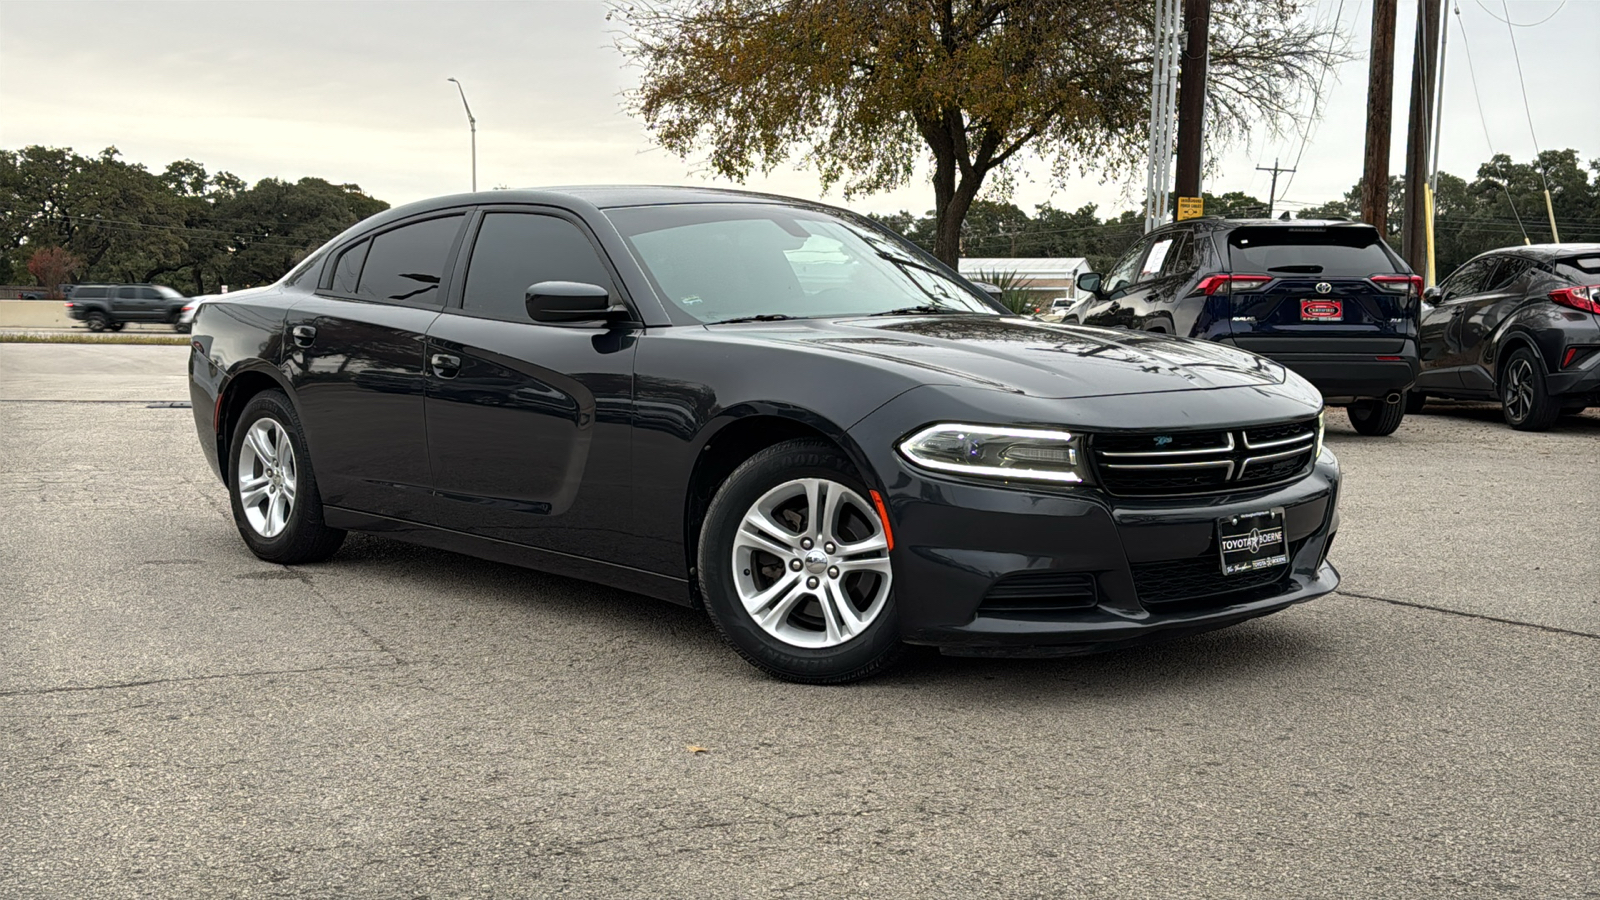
1046 277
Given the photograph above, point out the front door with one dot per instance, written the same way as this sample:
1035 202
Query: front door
355 354
530 424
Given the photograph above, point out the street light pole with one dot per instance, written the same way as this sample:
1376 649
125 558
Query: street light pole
473 124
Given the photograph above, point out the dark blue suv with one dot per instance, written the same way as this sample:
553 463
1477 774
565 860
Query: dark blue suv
1328 299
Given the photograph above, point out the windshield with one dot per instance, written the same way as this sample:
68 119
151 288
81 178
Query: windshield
1310 250
739 261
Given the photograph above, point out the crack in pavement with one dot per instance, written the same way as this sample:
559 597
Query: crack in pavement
34 692
1470 615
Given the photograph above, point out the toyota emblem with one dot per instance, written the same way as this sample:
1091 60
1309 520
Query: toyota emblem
1323 287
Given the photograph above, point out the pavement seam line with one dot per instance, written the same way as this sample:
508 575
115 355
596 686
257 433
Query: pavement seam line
305 578
1468 615
146 683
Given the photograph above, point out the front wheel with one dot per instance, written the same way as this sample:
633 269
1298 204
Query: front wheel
97 321
794 567
1525 402
271 487
1376 418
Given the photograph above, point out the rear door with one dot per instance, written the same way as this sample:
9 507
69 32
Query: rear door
355 355
1319 289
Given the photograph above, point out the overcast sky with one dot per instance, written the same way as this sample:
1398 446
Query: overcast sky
356 92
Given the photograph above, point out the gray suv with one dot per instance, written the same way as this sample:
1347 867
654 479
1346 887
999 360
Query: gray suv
111 306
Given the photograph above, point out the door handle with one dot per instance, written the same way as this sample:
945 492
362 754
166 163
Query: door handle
303 335
445 365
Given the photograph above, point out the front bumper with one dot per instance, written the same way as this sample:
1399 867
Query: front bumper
1151 566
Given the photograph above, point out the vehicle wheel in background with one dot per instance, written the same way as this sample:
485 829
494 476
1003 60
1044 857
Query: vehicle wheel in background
271 486
180 327
1526 403
97 321
1376 418
117 326
1415 402
794 567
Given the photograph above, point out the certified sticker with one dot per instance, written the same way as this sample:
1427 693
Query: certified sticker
1321 310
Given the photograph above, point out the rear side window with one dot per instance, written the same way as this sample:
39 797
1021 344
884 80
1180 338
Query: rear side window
1308 251
89 293
515 250
1582 269
406 265
347 273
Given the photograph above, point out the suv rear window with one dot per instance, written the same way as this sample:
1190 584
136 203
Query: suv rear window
1340 250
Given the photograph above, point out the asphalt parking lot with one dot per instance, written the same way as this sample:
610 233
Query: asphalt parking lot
180 719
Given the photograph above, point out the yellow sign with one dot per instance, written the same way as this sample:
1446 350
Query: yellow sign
1191 208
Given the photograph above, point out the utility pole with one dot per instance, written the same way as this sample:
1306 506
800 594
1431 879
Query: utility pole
1163 110
473 124
1192 95
1424 84
1272 192
1380 107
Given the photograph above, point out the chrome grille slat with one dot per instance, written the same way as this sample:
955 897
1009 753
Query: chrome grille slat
1224 460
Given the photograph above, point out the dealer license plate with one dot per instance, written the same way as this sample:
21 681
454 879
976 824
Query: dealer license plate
1321 310
1252 542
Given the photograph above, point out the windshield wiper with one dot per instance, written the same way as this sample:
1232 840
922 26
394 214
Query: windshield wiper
920 310
764 317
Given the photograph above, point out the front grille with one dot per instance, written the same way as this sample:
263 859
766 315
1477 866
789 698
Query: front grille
1198 582
1199 462
1039 593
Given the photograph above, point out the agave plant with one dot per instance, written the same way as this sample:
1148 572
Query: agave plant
1014 293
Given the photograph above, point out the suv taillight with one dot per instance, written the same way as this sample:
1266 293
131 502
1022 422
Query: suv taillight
1585 298
1410 285
1231 284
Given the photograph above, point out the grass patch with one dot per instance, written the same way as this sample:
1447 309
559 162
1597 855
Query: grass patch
24 338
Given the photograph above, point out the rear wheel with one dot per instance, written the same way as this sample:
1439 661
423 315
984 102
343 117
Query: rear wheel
118 326
272 488
794 567
1525 402
1376 418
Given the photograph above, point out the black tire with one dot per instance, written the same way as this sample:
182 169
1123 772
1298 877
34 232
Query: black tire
181 327
1525 400
304 536
97 321
1375 418
1415 401
876 647
118 326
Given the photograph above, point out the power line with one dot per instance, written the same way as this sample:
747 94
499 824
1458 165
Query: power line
1508 21
1472 72
1528 109
1316 98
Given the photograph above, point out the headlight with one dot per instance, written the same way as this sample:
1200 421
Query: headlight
994 452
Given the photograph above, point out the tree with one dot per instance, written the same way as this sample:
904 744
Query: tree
52 267
862 90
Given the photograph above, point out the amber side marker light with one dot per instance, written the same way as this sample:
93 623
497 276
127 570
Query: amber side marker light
883 516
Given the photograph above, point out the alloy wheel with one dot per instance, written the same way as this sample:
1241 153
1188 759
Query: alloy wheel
811 563
1519 389
267 477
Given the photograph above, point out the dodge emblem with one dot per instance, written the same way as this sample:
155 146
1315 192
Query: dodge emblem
1323 287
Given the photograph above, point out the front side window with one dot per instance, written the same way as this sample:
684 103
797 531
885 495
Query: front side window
127 292
1122 274
1510 269
1155 259
720 261
516 250
148 293
1469 279
406 265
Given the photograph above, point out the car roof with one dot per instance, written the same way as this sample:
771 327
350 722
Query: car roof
1548 251
605 196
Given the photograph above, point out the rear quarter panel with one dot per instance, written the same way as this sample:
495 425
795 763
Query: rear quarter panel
227 340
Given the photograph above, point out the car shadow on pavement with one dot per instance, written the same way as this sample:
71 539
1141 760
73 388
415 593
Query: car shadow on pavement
517 603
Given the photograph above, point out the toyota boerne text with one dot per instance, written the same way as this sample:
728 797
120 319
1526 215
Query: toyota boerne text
769 409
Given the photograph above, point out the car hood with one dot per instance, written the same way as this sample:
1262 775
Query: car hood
1026 356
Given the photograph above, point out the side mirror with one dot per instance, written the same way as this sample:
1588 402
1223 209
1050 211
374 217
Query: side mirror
570 301
1089 281
1432 295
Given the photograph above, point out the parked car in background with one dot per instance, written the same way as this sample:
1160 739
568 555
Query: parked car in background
112 306
1328 299
772 410
1519 325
